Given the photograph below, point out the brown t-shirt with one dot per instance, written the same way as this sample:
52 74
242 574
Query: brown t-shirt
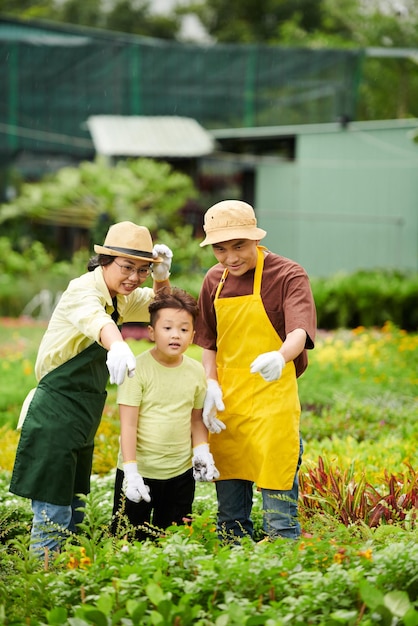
286 295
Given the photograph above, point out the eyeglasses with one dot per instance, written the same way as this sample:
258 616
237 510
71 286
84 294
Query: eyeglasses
127 270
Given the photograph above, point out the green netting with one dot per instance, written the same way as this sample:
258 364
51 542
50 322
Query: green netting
52 80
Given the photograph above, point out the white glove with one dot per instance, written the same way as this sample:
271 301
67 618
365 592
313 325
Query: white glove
204 469
270 365
119 359
133 486
161 271
213 403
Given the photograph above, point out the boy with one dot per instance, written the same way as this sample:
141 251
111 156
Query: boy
163 446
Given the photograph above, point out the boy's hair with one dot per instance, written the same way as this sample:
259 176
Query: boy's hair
172 298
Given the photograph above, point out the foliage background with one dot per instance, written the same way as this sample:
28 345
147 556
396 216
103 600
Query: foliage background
388 85
358 395
49 230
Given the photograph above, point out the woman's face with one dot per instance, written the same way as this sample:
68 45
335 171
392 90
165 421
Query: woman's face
123 275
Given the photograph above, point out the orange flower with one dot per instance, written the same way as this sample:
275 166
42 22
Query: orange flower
367 554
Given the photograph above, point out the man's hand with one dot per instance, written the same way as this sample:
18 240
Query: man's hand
161 271
269 365
133 486
119 359
213 403
204 469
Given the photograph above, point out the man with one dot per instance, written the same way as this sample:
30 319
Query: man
257 318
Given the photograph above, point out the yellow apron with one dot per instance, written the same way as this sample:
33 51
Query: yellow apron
261 440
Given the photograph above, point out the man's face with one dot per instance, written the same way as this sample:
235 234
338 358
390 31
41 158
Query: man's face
237 255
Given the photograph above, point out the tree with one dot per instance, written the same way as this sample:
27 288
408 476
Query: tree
92 196
388 85
27 9
128 16
253 21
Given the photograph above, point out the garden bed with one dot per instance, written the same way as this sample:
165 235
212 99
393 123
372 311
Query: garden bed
356 563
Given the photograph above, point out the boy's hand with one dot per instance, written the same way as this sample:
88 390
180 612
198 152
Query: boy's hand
213 403
134 487
204 469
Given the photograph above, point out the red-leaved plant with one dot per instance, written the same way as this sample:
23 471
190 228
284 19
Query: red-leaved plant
330 490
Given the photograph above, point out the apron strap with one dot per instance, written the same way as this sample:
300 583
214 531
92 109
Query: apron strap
115 314
221 283
259 270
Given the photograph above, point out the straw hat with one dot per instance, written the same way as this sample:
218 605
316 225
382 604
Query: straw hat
231 219
128 240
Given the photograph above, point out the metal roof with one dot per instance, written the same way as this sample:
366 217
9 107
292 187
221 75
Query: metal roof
162 136
272 132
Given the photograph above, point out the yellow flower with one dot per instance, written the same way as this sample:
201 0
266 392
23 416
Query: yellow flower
367 554
72 563
339 556
81 562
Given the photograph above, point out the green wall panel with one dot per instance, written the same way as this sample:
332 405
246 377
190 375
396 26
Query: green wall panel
349 201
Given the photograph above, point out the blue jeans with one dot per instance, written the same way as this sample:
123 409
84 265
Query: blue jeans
280 509
53 523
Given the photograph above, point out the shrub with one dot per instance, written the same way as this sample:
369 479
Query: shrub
367 298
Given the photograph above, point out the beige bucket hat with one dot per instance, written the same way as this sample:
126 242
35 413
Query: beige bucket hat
231 219
128 240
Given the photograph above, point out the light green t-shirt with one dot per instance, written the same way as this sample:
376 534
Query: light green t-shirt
165 397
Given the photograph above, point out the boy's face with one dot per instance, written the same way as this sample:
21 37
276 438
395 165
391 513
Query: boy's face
173 332
237 255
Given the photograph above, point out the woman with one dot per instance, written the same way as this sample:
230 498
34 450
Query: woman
81 347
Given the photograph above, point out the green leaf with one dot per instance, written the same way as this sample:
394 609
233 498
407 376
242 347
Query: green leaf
165 608
96 617
105 603
58 615
411 618
371 596
397 602
343 616
136 609
157 619
259 620
155 593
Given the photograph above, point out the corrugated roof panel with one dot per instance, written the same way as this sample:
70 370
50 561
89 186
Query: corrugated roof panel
262 132
162 136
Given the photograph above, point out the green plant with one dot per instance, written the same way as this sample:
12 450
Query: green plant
356 572
390 607
367 298
32 271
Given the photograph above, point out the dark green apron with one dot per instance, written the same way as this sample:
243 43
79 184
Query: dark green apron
55 452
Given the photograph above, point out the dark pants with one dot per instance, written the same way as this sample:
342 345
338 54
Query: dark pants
171 502
280 508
